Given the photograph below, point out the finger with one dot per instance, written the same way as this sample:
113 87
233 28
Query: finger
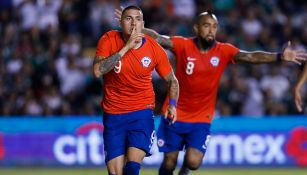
174 119
300 51
298 105
133 30
117 19
300 58
122 8
136 36
118 11
301 55
171 117
289 43
297 62
166 114
140 35
118 14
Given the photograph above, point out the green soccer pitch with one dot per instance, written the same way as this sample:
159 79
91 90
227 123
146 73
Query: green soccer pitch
76 171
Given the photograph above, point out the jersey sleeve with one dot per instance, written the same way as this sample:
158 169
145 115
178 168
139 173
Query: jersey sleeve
104 47
230 51
178 44
163 66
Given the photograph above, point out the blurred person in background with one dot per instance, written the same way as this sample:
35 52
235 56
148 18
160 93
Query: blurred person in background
297 91
201 61
126 60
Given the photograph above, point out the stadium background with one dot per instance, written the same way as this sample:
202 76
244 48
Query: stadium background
47 90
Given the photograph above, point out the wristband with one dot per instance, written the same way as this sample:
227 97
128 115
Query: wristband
279 57
172 102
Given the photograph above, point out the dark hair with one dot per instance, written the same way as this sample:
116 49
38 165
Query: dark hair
205 13
131 7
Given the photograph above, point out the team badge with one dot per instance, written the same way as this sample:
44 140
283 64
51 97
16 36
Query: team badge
160 142
214 61
146 61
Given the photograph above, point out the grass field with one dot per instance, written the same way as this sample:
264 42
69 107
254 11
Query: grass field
38 171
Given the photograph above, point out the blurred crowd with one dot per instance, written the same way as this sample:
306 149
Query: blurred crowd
47 48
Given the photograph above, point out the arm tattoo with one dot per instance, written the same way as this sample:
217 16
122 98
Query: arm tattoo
256 57
165 42
107 64
173 86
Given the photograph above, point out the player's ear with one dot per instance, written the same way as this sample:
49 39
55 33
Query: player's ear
195 27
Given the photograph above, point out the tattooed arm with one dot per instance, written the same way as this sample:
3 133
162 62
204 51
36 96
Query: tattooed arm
163 40
266 57
103 65
173 93
256 57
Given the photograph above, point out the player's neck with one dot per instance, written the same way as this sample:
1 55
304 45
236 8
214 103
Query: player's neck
204 46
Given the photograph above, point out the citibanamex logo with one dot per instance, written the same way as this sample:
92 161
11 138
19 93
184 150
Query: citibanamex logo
296 146
83 147
1 147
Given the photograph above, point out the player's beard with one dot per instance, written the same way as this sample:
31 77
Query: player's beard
207 44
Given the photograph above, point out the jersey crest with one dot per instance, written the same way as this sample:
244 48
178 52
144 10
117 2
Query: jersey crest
215 61
161 142
146 61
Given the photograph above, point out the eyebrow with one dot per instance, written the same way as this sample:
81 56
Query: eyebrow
132 16
210 23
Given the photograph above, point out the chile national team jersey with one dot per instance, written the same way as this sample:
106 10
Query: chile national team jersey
198 75
128 87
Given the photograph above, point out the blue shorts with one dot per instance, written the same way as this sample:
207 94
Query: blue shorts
121 131
182 135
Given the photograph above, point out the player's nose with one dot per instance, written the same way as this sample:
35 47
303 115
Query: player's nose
133 22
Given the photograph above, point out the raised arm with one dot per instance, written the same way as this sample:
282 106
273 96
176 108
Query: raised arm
163 40
297 89
258 57
173 93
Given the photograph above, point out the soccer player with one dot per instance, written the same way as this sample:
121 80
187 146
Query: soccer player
200 62
126 61
297 90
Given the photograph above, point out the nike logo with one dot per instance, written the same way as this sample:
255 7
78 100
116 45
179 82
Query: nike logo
191 59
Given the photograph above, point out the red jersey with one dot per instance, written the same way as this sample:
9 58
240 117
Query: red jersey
198 75
128 87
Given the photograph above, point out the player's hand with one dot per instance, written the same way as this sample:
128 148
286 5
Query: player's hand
170 113
118 13
298 98
295 56
135 39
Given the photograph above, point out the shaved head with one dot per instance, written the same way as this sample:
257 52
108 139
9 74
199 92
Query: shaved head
203 14
133 8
